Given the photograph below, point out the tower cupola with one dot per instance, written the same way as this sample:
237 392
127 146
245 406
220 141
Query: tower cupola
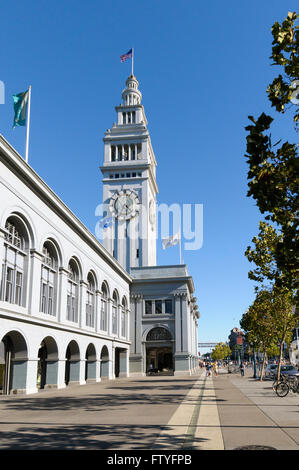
131 95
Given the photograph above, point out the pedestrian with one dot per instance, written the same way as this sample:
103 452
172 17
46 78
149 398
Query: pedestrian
242 369
208 370
215 369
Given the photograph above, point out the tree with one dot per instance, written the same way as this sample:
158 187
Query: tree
221 351
269 322
273 168
257 324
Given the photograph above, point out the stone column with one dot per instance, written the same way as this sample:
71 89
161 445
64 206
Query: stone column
33 295
82 305
98 370
61 373
62 301
182 328
97 312
136 352
2 234
82 366
109 316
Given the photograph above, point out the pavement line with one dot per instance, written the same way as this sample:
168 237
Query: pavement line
208 433
173 434
189 438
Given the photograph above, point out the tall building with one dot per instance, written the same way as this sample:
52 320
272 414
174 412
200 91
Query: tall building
129 183
163 315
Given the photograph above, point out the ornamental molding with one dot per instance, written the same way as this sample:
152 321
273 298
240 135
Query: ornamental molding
136 296
180 294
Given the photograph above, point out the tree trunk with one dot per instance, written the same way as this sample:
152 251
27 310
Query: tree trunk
280 358
263 366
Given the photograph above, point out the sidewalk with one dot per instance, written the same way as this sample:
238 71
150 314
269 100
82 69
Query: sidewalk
228 411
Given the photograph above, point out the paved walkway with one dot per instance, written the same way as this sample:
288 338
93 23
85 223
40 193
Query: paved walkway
149 413
228 412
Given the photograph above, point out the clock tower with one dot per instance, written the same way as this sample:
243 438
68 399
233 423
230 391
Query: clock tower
129 184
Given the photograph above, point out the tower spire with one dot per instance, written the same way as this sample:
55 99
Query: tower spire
131 95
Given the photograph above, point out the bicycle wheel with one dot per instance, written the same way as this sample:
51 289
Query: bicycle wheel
274 385
282 389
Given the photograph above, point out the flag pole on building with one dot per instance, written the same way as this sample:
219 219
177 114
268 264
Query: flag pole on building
132 61
180 246
21 102
28 124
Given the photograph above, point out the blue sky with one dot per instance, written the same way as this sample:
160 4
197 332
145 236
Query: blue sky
203 67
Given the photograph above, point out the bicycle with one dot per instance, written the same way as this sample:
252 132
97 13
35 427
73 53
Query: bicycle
283 387
283 378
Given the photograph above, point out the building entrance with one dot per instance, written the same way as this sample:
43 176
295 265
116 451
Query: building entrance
159 360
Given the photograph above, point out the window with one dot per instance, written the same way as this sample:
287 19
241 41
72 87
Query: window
9 285
158 306
168 306
113 153
48 279
148 307
123 321
104 307
114 313
133 154
73 292
90 300
15 263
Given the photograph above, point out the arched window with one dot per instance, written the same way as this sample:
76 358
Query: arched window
15 262
104 308
114 312
158 334
90 300
73 291
48 289
123 320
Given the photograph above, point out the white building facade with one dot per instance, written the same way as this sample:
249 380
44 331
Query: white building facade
64 300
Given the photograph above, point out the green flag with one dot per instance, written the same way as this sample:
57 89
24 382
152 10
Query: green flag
20 106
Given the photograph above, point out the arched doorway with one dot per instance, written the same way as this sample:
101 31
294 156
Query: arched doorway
159 352
47 367
13 363
104 363
90 363
72 363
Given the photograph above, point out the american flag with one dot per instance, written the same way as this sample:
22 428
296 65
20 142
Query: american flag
126 56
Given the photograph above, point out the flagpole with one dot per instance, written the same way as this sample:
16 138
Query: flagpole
28 124
180 248
133 61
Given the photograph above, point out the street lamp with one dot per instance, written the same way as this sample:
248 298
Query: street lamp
254 364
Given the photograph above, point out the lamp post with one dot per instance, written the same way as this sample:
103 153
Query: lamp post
254 364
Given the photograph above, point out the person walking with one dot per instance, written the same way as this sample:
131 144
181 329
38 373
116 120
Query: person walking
242 369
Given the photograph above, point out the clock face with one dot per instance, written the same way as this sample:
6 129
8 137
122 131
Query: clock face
124 204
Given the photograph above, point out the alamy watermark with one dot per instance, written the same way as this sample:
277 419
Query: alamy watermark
164 221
